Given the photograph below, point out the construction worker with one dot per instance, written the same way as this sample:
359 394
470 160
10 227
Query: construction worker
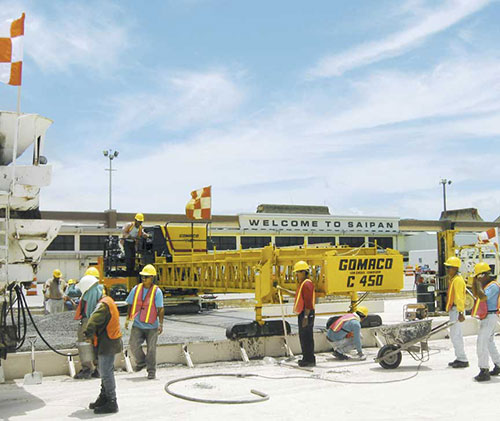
53 292
304 307
131 234
91 293
455 306
345 334
146 310
103 330
487 293
73 293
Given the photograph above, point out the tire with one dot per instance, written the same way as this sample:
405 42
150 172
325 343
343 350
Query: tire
392 361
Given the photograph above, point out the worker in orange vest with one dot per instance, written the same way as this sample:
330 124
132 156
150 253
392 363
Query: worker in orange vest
131 233
455 306
486 289
304 307
345 334
146 310
103 330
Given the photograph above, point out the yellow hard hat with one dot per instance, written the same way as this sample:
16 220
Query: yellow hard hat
92 271
148 270
71 282
453 262
139 217
301 265
57 273
481 267
363 310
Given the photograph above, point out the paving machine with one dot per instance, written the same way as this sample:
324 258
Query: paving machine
24 236
187 270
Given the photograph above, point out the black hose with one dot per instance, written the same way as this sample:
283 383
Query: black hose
23 298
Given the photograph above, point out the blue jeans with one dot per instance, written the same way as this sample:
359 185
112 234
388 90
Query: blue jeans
107 371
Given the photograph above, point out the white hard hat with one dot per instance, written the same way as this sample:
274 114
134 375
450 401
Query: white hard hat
86 283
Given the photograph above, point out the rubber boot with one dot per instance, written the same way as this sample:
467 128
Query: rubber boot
100 401
110 407
483 376
495 371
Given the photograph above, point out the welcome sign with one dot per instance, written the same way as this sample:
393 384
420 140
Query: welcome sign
326 224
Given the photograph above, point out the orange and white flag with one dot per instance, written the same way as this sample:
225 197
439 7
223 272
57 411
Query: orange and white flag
200 205
11 51
490 236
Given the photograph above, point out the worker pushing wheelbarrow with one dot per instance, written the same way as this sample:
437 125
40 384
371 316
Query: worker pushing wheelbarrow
411 337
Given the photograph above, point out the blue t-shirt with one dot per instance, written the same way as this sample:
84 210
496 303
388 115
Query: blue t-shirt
158 303
492 296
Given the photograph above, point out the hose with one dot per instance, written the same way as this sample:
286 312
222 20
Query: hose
261 396
25 307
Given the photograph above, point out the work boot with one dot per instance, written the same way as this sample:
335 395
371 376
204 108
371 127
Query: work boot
95 374
303 363
110 407
495 371
483 376
151 376
100 401
450 364
83 374
339 355
460 364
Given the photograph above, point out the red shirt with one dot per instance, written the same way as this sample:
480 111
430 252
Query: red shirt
305 297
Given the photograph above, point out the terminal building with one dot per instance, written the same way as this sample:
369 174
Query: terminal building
82 236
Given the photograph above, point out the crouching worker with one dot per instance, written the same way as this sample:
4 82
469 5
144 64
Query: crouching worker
344 334
103 330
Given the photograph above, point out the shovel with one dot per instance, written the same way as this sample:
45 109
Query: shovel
35 377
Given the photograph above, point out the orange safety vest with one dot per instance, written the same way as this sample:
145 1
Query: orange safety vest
480 309
298 306
336 326
451 294
113 327
130 226
146 307
78 313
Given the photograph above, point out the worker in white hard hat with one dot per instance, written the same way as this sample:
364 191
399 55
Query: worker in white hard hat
103 331
91 291
344 334
304 308
455 306
131 233
145 308
53 292
486 289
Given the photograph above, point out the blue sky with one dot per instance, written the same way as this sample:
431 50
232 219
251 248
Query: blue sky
363 106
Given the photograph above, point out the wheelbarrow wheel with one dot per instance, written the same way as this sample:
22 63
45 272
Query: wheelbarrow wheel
391 361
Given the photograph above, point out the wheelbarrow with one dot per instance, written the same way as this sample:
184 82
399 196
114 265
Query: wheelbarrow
411 337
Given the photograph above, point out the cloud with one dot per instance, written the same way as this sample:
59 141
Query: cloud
428 24
60 36
181 100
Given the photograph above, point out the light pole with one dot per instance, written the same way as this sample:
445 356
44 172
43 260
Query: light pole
444 182
111 155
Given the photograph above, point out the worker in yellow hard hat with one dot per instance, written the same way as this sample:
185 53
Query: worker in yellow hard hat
304 308
486 289
93 271
73 293
344 334
131 234
145 308
53 293
455 306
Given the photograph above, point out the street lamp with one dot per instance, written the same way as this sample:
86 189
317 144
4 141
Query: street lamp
444 182
110 155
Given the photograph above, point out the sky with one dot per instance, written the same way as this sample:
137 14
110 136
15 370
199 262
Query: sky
363 106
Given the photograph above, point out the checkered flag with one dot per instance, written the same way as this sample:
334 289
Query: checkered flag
11 51
200 206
